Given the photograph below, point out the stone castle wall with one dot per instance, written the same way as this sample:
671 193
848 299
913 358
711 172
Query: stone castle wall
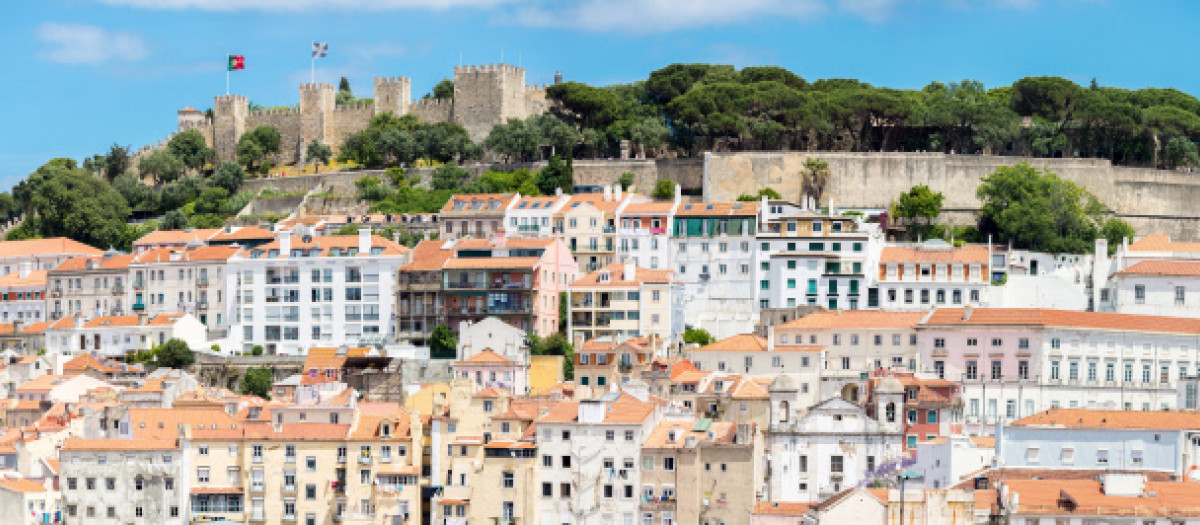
433 110
347 120
287 122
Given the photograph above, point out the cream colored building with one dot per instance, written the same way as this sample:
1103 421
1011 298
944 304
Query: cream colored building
91 286
588 225
29 500
621 301
700 471
191 280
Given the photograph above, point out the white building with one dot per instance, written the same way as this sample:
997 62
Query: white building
714 253
621 301
944 461
1169 288
324 291
533 216
817 452
642 229
41 254
189 280
124 481
934 273
119 335
590 460
762 357
23 295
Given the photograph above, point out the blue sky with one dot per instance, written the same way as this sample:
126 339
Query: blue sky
82 74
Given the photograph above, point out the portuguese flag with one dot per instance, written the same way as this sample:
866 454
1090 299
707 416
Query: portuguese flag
236 62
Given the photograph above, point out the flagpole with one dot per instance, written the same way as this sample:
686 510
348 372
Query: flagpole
313 62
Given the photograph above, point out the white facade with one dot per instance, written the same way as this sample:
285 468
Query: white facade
1175 294
491 333
713 245
936 274
943 462
533 216
117 336
292 294
23 295
816 453
149 483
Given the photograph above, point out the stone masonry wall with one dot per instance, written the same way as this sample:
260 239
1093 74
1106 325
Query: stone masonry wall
287 122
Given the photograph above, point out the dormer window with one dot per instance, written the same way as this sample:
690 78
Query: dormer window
604 277
386 431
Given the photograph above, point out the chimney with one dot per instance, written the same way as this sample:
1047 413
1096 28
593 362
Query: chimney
832 210
78 320
364 241
285 242
967 310
24 268
630 270
558 191
771 338
608 193
678 193
616 192
142 318
396 236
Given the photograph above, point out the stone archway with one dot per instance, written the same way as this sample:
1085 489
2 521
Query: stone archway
850 393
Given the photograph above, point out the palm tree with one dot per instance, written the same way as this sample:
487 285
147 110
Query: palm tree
813 178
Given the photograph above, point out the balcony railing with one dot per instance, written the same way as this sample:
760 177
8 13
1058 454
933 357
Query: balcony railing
138 307
57 292
202 282
118 290
138 284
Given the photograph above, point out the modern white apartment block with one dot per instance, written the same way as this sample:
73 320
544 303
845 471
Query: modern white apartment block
934 274
713 245
622 301
291 294
533 216
642 229
23 295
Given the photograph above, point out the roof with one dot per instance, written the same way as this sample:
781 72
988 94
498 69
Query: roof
110 321
52 246
707 209
477 202
1162 243
199 253
468 263
244 233
491 391
176 236
994 475
722 433
1084 418
1065 319
216 490
1168 268
648 208
163 423
984 441
299 431
85 362
116 262
514 242
737 343
118 444
41 326
428 256
1087 497
968 254
327 357
749 389
46 382
616 273
35 278
856 319
781 508
486 356
326 243
21 485
625 410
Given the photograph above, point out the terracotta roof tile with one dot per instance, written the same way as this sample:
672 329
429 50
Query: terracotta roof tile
648 208
722 432
244 233
119 444
45 382
858 319
1163 243
35 278
1064 318
1169 268
737 343
176 236
343 242
708 209
1085 418
52 246
784 508
428 256
85 362
464 263
968 254
486 356
625 410
462 203
202 253
116 262
616 277
1087 497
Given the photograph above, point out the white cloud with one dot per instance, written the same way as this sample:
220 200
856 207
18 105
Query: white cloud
87 44
640 16
300 5
869 10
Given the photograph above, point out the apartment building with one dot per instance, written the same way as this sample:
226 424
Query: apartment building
92 286
1016 362
194 280
492 353
475 215
172 239
855 341
29 499
712 243
41 254
583 445
515 280
124 481
246 237
602 365
808 258
935 274
700 471
419 292
23 295
291 294
534 216
758 356
642 232
587 223
120 335
622 301
1112 498
1170 288
932 407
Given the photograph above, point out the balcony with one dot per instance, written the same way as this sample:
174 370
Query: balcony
202 305
624 367
54 316
56 293
139 307
118 290
509 310
528 228
138 284
464 285
202 282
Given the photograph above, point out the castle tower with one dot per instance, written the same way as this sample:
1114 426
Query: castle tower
189 118
392 94
229 112
488 95
317 102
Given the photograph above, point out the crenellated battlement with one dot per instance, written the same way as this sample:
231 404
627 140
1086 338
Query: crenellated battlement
288 110
535 89
358 105
232 99
487 68
433 102
392 80
319 86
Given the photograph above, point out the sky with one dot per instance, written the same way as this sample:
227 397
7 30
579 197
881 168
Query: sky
80 75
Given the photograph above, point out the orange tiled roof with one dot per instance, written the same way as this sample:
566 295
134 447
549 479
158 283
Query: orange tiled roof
116 262
244 233
616 273
857 319
486 356
118 444
21 485
503 198
326 243
42 326
163 423
202 253
476 263
748 389
1066 319
52 246
372 416
45 382
781 508
176 236
33 278
86 361
299 431
648 208
625 410
428 256
722 432
490 391
984 441
1171 268
1163 243
968 254
1087 497
1085 418
493 243
737 343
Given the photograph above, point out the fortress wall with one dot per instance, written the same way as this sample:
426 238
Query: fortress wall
345 121
287 122
433 110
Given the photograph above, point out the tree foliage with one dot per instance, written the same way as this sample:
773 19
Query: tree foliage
174 354
698 336
664 189
448 177
162 165
71 202
442 344
918 206
116 161
190 147
444 89
228 175
257 381
256 145
319 152
392 141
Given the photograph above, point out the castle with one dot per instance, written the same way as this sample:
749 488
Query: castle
483 97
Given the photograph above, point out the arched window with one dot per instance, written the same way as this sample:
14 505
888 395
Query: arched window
784 411
891 412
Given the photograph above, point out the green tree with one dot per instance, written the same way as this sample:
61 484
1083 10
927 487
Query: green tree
190 147
174 354
698 336
765 192
162 166
116 161
918 206
179 193
73 203
256 145
318 151
664 190
139 196
444 89
555 344
626 180
1038 211
1180 151
813 178
557 174
448 177
371 189
211 200
257 381
229 175
257 350
442 344
650 133
516 139
174 220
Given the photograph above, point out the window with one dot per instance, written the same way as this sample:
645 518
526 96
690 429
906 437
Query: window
1139 294
972 369
202 475
1102 457
508 481
835 464
668 463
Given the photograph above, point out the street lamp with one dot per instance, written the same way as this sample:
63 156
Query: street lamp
904 477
